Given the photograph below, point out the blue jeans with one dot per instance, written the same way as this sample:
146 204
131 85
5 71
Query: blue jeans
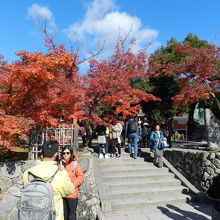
133 139
106 147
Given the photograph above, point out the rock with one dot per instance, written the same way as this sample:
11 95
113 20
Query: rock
203 155
211 156
27 165
17 179
86 149
5 183
205 176
216 162
8 203
90 149
202 184
210 170
193 175
207 184
212 166
200 171
217 155
91 202
11 170
207 162
211 177
14 191
84 163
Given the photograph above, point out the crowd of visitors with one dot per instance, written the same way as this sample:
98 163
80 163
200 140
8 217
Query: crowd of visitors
138 133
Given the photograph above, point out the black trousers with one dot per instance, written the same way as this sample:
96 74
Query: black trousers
146 140
69 206
114 144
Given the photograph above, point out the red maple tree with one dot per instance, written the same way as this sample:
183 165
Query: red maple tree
196 72
109 83
38 89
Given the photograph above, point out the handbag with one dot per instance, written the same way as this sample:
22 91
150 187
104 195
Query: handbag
101 139
119 140
162 144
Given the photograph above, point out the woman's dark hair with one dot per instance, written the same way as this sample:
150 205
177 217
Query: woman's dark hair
156 126
68 147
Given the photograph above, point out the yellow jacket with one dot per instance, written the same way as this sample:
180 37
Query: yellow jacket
62 185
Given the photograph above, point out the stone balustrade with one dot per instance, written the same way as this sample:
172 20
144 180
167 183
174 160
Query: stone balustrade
198 166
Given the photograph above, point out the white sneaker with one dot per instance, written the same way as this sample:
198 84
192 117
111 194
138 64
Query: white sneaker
112 156
107 156
101 156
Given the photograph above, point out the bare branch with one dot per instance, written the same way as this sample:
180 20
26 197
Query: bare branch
93 55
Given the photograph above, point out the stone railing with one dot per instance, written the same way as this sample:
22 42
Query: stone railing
199 167
11 185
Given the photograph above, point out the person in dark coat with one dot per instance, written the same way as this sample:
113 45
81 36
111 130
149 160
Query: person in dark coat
146 130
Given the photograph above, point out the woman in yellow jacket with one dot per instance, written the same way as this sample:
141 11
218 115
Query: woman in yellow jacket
76 176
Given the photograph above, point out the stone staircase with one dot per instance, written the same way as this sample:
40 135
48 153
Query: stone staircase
137 184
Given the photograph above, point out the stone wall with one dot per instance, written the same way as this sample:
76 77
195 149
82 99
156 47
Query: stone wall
199 167
11 185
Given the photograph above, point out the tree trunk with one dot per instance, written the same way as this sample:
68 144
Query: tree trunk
88 137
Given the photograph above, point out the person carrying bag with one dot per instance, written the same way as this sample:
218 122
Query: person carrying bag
158 144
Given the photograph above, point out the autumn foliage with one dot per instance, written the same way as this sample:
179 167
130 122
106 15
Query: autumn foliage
109 83
37 89
41 89
48 89
196 72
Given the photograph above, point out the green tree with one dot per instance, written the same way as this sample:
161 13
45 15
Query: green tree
165 86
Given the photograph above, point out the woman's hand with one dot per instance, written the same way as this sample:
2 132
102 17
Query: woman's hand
61 167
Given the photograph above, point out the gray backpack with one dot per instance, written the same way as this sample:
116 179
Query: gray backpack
36 201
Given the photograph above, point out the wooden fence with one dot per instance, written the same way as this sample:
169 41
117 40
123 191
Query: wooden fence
65 135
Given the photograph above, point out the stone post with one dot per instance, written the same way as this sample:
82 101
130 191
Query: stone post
212 125
75 138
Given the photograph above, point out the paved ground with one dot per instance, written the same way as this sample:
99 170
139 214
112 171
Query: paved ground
168 212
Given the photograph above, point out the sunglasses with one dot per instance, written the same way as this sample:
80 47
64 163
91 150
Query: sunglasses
66 153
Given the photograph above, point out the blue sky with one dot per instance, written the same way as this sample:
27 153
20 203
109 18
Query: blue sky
89 23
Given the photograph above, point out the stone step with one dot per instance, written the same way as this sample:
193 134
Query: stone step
132 170
145 202
131 166
158 191
121 161
137 175
142 183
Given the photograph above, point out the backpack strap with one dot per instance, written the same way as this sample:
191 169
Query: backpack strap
74 166
52 177
31 177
